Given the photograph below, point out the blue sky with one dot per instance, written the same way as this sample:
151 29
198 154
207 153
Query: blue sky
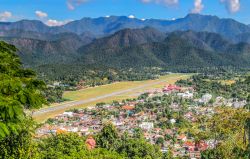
58 12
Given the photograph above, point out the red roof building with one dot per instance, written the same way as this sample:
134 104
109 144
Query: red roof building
171 88
189 145
127 107
202 145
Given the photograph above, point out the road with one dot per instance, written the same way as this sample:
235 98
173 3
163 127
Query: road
65 106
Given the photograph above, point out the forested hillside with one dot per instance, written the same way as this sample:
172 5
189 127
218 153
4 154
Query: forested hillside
186 49
117 43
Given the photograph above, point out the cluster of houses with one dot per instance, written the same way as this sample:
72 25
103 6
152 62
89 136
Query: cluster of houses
125 118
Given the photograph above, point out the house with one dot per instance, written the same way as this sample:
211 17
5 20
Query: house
69 114
182 137
147 136
147 125
164 150
205 98
84 129
157 130
128 107
239 104
220 101
169 131
189 145
118 123
186 95
171 88
73 129
202 146
172 121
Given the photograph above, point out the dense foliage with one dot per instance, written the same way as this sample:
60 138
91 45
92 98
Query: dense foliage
20 145
228 129
131 147
220 84
82 75
67 146
19 90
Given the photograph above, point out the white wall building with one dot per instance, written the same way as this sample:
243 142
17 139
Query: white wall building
146 125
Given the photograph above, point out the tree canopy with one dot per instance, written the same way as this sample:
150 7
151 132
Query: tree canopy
19 90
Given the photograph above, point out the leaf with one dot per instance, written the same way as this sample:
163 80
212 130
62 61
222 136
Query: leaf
3 130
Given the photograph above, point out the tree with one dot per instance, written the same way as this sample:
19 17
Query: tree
138 133
227 127
20 145
19 90
160 141
67 146
168 155
139 149
62 146
108 138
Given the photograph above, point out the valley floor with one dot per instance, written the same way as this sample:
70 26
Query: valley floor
107 93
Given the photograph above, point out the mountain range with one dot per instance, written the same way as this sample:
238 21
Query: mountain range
118 41
104 26
127 48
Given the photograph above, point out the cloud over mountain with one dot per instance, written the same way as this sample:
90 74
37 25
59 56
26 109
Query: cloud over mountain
198 6
5 16
52 22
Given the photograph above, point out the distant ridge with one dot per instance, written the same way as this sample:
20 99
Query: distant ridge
104 26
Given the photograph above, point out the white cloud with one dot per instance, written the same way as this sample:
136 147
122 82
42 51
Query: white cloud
5 16
41 14
146 1
198 6
52 22
232 6
171 2
165 2
71 4
131 16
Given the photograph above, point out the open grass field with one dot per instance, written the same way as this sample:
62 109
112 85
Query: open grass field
106 93
224 82
227 82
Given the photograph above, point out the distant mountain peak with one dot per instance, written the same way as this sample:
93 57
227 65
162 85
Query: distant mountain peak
195 15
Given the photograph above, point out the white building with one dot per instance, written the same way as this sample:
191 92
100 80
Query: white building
146 125
172 121
186 95
70 114
239 104
205 98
